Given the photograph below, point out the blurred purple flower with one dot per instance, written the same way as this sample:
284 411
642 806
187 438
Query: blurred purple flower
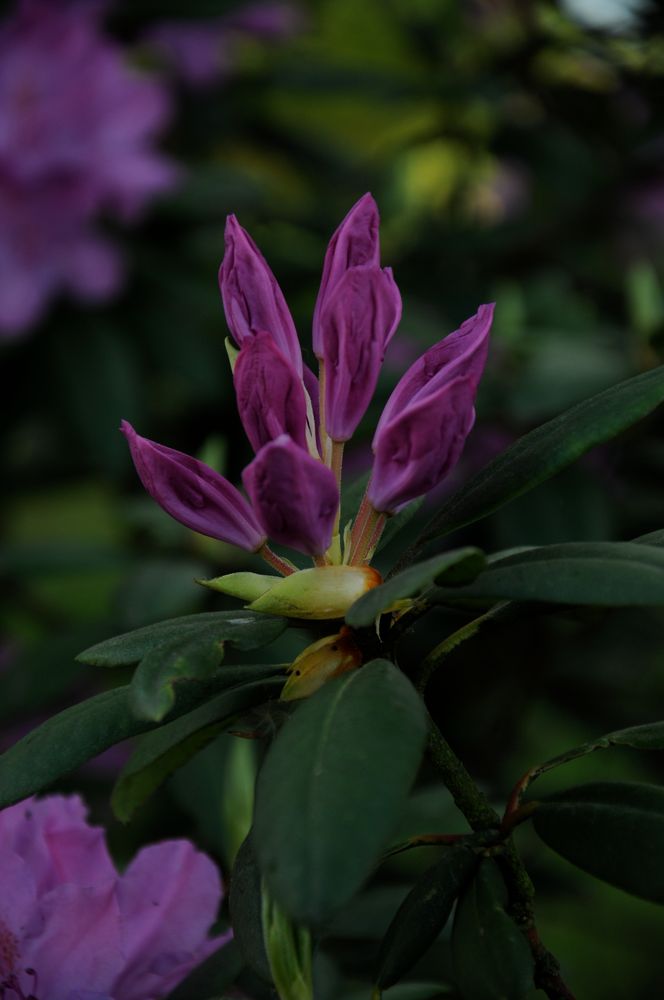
202 52
71 928
77 127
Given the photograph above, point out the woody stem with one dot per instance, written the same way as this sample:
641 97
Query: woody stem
368 536
359 527
375 529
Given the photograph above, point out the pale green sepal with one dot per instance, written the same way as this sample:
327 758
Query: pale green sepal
324 592
246 586
289 952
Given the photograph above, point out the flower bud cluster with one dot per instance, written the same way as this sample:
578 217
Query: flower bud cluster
298 423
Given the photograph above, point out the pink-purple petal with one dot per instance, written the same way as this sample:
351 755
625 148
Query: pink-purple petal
74 940
165 919
270 393
193 493
56 841
295 496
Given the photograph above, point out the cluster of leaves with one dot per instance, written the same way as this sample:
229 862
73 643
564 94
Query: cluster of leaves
337 773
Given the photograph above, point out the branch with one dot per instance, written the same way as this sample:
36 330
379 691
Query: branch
481 815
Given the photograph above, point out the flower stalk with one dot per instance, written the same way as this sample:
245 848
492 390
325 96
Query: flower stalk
282 565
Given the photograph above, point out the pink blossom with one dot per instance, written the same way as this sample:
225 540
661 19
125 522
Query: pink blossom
71 928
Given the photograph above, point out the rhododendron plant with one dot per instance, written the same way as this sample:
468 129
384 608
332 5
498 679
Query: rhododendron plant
344 726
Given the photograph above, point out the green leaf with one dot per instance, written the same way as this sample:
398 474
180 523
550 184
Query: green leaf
242 629
246 908
649 736
460 565
613 830
492 959
289 950
652 538
332 787
169 747
423 914
152 689
546 450
610 574
216 974
70 738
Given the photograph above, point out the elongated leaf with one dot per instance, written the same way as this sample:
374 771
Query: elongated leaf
610 574
652 538
245 904
193 658
649 736
423 914
546 450
241 629
169 747
492 959
209 980
332 787
613 830
460 565
73 736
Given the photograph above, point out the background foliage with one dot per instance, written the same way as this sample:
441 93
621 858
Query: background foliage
515 150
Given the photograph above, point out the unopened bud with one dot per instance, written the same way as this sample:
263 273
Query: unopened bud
320 593
319 662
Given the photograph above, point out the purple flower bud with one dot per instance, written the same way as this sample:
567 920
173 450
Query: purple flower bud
252 298
295 496
460 353
270 394
416 450
358 320
354 243
193 493
423 428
